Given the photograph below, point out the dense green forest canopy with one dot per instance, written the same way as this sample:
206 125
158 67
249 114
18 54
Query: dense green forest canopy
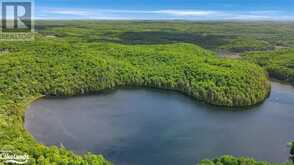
230 160
212 35
78 57
225 38
183 67
52 66
243 44
279 63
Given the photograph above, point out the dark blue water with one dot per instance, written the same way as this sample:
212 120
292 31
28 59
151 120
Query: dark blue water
157 127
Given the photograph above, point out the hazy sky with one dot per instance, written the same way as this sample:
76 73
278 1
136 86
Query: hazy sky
166 9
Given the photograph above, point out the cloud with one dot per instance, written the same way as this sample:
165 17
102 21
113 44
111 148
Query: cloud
187 12
106 11
251 17
68 13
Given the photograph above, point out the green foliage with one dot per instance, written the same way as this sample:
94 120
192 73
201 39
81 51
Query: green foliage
291 145
279 64
292 148
230 160
56 67
244 44
240 36
72 58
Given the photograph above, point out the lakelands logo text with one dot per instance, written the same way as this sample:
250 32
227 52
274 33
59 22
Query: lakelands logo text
12 158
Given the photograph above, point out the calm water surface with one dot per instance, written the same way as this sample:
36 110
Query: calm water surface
156 127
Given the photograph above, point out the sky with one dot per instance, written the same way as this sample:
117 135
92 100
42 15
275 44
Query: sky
279 10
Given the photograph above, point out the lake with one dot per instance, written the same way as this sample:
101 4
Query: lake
157 127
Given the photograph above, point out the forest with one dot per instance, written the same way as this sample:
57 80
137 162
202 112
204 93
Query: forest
80 57
279 64
225 38
230 160
216 36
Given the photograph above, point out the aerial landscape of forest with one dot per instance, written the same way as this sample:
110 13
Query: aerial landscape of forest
227 69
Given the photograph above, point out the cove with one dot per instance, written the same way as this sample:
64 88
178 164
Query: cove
148 126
